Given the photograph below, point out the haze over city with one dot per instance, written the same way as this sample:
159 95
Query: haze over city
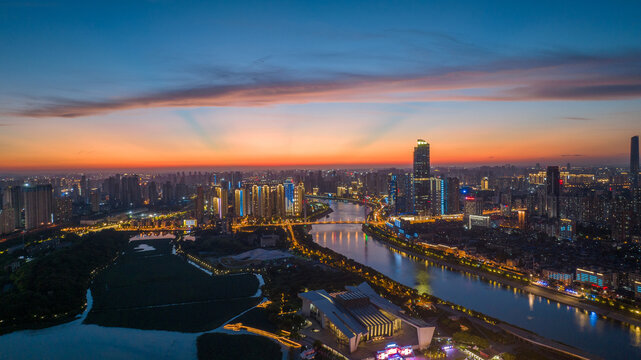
320 180
124 85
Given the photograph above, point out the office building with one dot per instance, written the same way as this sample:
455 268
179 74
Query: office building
473 206
561 276
421 172
452 193
598 278
437 196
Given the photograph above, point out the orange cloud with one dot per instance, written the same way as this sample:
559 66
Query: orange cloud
566 79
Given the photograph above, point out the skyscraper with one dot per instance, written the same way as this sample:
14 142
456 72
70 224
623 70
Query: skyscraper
199 206
552 192
452 191
634 162
221 193
266 202
421 177
635 189
239 202
289 197
280 200
299 200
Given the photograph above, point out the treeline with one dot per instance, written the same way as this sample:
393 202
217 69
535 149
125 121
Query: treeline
52 288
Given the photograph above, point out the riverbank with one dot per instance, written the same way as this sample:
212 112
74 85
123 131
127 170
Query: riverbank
403 294
528 288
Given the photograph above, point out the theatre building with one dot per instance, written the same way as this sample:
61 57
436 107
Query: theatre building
360 314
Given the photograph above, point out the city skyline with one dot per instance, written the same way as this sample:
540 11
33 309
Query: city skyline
186 88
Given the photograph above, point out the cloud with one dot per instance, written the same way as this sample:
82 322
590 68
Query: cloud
572 155
568 77
576 118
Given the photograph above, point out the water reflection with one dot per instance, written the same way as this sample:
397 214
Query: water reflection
604 337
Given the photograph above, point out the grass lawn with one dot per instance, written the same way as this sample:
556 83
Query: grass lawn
234 347
157 290
258 318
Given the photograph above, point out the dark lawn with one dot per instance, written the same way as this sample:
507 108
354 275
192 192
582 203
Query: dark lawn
157 290
258 318
234 347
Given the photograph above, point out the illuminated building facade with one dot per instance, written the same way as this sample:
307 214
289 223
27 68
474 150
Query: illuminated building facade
280 200
289 197
552 192
239 202
452 193
601 279
299 200
360 314
421 172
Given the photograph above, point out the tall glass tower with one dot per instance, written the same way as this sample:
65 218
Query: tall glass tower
421 177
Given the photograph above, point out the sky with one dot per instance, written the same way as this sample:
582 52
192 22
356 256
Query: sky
153 84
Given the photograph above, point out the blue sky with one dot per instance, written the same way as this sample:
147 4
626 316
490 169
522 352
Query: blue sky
388 71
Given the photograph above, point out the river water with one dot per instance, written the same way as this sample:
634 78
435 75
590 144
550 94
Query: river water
78 341
584 330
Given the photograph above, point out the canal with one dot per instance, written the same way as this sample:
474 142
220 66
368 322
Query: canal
584 330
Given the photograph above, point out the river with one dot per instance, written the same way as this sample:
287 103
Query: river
584 330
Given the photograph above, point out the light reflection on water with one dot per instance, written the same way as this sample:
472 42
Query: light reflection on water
607 338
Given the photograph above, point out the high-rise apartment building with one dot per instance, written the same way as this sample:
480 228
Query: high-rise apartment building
7 220
437 196
552 192
239 202
266 202
289 197
38 205
94 200
280 201
421 170
13 198
63 210
634 161
199 205
299 200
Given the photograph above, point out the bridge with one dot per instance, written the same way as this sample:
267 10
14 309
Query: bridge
331 222
281 339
